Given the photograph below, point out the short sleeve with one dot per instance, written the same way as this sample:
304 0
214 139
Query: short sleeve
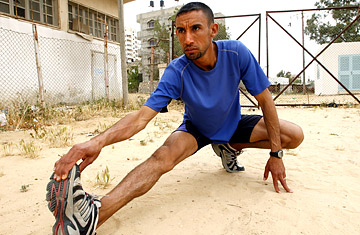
252 75
168 88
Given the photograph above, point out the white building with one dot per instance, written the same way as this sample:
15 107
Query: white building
343 61
71 49
132 45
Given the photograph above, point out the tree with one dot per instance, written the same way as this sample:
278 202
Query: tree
320 29
282 74
162 36
134 78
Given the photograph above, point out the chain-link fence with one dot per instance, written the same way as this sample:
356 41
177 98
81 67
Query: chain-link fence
73 69
302 63
313 56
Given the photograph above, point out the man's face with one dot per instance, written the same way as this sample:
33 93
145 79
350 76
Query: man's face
194 33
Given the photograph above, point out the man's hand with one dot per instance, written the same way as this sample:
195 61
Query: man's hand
87 151
277 169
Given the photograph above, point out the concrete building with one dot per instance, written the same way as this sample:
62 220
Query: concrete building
132 45
343 61
71 48
148 40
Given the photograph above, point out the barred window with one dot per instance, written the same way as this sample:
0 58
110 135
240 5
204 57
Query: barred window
44 11
89 21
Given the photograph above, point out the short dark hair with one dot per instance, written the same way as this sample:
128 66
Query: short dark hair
197 6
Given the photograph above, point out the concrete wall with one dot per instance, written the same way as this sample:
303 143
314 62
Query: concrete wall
324 83
70 71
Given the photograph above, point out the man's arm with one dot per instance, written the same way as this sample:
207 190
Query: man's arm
90 150
274 165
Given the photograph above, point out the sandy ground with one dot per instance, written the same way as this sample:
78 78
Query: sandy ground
198 196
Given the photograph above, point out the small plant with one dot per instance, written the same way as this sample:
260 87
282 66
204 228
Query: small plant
24 188
29 149
7 149
101 128
103 178
59 137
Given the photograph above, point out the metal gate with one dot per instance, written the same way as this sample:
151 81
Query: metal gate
98 77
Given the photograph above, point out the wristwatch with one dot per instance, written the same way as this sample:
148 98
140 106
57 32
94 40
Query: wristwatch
278 154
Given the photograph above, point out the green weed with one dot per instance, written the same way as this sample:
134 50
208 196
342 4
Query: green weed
29 149
7 149
103 179
24 188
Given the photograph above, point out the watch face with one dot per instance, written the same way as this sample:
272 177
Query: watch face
278 154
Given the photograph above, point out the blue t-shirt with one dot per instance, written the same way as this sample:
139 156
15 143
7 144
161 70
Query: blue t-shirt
211 97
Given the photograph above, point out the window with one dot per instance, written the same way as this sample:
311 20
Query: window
44 11
85 20
152 42
151 24
349 71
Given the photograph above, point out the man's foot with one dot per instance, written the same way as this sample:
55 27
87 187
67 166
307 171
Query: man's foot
76 212
228 157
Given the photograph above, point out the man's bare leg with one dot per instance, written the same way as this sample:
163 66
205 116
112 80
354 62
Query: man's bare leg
141 179
291 136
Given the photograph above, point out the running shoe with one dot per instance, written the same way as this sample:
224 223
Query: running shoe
76 211
228 157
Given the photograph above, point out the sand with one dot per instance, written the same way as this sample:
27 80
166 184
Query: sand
198 196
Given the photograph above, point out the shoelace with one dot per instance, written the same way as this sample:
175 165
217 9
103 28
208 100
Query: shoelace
231 158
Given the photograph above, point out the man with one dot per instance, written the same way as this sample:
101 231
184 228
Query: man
207 80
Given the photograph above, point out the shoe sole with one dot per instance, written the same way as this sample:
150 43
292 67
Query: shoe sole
218 152
58 194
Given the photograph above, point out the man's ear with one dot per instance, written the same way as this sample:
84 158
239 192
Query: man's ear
214 29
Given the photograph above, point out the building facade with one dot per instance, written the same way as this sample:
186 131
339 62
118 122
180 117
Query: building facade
148 39
132 45
343 61
69 52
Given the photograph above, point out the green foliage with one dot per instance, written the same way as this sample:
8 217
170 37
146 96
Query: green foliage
320 29
103 178
283 74
29 149
134 79
162 37
24 188
223 33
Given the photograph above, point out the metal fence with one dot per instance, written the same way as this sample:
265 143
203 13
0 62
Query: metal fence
70 69
301 70
325 69
62 70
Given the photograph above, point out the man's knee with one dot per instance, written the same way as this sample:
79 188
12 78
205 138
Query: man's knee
163 159
296 138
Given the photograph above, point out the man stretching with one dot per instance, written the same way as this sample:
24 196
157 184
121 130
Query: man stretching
206 78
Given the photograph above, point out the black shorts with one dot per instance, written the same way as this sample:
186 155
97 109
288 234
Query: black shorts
242 133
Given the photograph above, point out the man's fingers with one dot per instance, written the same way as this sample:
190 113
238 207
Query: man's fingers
276 185
284 184
266 172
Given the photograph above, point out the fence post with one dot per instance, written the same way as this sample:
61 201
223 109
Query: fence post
106 61
38 65
122 52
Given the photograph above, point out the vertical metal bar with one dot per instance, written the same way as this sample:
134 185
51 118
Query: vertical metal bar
267 45
172 40
106 61
31 11
303 44
92 76
15 8
259 56
122 52
38 65
152 70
